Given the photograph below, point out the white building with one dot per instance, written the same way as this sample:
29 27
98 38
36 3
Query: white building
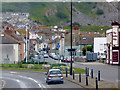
100 46
113 44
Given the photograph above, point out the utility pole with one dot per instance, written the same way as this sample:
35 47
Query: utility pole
26 41
71 42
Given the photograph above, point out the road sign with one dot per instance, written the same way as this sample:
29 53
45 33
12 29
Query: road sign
58 45
71 50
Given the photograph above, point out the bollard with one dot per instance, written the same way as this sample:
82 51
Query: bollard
69 71
87 71
99 75
66 73
80 77
73 75
96 83
86 80
91 73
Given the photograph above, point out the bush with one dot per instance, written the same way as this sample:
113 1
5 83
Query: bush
61 15
99 12
19 65
88 48
23 62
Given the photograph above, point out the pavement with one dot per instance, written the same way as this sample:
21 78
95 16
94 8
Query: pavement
109 73
91 82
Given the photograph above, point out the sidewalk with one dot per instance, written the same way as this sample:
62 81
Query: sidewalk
91 82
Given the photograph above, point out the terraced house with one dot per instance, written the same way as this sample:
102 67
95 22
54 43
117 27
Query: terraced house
12 47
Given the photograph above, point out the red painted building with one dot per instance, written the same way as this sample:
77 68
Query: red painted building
113 44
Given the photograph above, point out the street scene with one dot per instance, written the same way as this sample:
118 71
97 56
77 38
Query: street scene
59 45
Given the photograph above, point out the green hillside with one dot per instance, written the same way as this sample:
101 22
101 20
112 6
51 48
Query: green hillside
37 10
60 12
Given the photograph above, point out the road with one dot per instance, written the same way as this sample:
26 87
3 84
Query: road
31 79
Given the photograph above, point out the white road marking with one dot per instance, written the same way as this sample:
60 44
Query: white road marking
32 80
22 85
18 81
13 72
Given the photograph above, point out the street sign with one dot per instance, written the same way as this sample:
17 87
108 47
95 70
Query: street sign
58 45
70 50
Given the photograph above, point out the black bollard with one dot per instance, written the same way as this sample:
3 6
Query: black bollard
73 75
87 71
91 73
69 71
79 77
66 73
96 83
86 80
99 75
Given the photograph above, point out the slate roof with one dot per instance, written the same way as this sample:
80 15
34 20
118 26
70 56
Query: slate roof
9 39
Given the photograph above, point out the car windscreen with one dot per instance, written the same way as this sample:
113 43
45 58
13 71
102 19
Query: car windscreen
55 72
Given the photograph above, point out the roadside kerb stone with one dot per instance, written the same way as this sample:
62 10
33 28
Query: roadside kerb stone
91 82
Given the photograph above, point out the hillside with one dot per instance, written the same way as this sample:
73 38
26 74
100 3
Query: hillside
51 13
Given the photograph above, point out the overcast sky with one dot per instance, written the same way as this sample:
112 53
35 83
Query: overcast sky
56 0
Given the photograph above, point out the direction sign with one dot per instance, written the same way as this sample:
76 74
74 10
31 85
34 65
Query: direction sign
58 45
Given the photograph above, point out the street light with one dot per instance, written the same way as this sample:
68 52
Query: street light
71 42
26 39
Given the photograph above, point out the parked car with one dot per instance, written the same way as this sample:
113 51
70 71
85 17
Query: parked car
55 57
54 75
46 56
68 59
36 58
51 55
62 59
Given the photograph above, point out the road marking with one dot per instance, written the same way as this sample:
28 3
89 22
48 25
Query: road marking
22 85
13 72
3 83
18 81
32 80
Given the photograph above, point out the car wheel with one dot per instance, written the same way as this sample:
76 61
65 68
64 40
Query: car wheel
62 82
48 83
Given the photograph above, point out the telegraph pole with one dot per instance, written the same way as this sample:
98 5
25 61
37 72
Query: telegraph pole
26 41
71 42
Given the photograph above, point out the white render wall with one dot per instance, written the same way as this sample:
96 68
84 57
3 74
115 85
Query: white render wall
99 45
10 50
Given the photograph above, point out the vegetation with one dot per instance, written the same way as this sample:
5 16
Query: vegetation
86 48
99 12
94 28
38 10
86 8
38 67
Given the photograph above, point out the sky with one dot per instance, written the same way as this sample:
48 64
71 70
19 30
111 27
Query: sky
57 0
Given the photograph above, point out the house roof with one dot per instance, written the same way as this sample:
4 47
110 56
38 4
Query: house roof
8 39
54 41
15 36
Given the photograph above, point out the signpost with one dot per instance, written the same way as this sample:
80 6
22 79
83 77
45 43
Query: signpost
58 46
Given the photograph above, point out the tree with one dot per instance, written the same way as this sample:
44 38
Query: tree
86 48
99 12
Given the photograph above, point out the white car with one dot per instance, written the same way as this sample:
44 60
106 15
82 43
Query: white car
54 75
45 55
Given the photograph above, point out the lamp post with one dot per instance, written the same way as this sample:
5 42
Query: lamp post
26 40
71 42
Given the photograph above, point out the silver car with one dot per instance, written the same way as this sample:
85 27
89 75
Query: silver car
54 75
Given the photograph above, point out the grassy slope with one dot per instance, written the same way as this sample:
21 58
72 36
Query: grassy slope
37 12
